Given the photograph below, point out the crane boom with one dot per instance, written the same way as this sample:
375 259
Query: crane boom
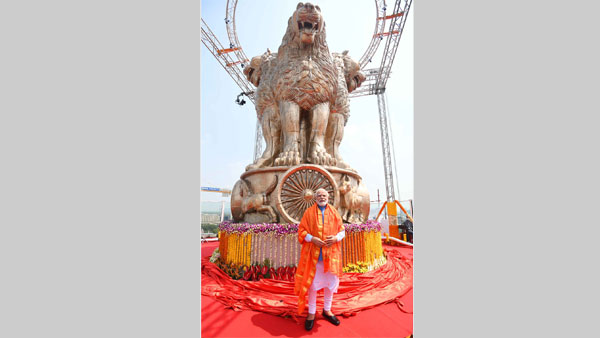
224 58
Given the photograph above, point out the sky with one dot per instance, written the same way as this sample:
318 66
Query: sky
228 130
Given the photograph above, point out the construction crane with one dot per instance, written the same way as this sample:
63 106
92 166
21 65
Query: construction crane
388 26
393 32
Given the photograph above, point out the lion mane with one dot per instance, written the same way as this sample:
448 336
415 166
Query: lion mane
349 78
306 74
260 73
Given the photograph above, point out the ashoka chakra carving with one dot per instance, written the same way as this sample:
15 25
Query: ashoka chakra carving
297 188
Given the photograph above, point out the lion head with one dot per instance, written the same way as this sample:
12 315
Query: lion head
253 70
349 78
354 77
258 66
309 21
306 29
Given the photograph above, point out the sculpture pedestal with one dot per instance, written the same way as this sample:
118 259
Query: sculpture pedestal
282 194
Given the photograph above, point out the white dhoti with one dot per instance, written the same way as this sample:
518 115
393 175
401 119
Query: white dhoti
323 280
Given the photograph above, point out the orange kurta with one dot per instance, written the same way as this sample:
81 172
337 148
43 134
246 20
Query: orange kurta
309 255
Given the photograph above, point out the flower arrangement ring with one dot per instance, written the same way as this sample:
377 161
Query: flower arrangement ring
297 188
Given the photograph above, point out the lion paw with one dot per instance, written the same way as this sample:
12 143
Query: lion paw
260 163
288 158
341 164
321 157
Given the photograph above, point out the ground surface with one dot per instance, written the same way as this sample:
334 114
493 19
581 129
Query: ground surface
382 321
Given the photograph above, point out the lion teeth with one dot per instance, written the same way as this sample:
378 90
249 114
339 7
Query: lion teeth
307 26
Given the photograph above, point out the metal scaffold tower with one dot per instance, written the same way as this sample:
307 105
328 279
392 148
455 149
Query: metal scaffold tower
230 65
388 27
224 58
396 26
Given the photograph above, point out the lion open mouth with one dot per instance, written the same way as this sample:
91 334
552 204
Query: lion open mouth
308 27
356 82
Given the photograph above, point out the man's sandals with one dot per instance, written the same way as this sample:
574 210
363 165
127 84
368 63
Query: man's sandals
308 324
332 319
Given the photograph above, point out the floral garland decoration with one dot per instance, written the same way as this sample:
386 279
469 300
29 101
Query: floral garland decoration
274 228
289 228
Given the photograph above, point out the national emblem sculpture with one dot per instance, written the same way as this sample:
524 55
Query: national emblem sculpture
302 104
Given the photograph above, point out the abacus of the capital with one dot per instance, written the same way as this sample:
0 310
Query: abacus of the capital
302 104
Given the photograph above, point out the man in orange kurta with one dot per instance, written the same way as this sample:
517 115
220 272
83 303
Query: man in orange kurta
320 232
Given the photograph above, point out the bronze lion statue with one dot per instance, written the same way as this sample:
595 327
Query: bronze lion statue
302 94
305 88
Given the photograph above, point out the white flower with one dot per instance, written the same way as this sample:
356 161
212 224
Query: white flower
215 255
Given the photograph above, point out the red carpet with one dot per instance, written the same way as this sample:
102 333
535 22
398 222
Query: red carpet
357 294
